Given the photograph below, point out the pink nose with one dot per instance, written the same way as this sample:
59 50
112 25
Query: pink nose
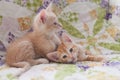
73 58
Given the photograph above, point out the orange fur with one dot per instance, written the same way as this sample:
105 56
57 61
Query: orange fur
70 52
32 48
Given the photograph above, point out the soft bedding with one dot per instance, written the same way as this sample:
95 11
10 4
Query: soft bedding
85 70
94 24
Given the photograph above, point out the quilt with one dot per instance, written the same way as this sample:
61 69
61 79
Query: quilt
94 24
87 70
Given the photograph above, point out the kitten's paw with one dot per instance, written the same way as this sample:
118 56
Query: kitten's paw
104 59
43 61
100 58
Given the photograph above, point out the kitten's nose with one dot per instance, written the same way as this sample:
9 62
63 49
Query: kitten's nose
73 58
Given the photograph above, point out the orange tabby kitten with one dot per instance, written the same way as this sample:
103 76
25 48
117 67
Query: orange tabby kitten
70 52
25 51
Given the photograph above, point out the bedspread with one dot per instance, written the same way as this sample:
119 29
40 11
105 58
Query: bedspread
85 70
94 24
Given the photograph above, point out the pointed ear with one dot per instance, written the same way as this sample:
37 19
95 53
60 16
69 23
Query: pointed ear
50 8
66 38
42 16
53 56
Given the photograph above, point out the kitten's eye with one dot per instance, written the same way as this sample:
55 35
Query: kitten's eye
55 23
71 50
1 56
64 56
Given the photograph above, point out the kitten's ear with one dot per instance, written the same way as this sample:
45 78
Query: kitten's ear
53 56
42 16
66 38
50 7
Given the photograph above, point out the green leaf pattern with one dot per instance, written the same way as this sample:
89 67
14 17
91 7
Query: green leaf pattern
67 70
100 21
111 46
73 31
69 18
0 20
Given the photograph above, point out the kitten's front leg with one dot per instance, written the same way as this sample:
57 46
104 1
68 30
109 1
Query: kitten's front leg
38 61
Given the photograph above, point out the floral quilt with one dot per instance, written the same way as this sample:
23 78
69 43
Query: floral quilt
94 24
109 70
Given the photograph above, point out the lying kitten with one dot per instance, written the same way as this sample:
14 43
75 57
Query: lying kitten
25 51
70 52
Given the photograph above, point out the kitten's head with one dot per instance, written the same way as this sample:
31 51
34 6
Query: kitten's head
47 19
66 53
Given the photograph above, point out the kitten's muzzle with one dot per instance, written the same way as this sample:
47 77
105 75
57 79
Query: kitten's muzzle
74 60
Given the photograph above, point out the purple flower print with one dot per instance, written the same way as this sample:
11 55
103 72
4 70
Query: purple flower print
111 64
59 33
82 0
1 60
104 3
24 2
41 7
108 16
117 11
10 34
84 67
46 3
11 37
56 1
1 63
59 3
2 47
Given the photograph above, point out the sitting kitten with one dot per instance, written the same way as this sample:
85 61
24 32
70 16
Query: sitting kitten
25 51
70 52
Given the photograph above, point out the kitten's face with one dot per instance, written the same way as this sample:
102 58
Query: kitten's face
52 21
67 53
48 19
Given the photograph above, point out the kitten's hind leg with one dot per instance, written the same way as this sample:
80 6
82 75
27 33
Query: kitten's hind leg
38 61
82 56
24 65
94 58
